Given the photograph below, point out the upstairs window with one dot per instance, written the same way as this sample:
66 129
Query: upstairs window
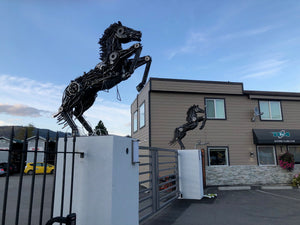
271 110
215 108
142 115
135 121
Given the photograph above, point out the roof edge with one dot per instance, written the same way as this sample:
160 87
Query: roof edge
197 81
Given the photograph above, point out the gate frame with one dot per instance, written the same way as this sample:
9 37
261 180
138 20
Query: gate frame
154 179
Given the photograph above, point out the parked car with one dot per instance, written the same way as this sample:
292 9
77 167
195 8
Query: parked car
39 169
3 168
2 172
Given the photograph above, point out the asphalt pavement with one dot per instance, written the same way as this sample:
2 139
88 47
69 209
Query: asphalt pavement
259 206
12 199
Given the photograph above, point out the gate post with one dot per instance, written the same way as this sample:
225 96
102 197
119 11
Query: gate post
155 179
105 181
203 168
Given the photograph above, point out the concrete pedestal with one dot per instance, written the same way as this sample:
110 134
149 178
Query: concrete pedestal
106 183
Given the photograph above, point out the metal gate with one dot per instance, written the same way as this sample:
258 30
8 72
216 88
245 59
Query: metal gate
158 179
29 198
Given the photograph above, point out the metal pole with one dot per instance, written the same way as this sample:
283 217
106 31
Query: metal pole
24 149
7 176
54 178
33 177
44 178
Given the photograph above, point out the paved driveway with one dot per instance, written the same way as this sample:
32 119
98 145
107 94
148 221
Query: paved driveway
25 199
259 207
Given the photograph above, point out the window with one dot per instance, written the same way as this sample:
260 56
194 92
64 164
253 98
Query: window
135 121
266 155
215 108
218 156
271 110
142 115
295 150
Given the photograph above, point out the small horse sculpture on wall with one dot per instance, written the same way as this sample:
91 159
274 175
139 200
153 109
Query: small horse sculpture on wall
116 66
192 122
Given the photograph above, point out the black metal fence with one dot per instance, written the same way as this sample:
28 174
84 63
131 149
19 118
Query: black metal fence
158 185
33 199
30 199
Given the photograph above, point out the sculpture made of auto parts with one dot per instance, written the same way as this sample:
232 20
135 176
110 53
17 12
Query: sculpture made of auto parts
192 122
116 66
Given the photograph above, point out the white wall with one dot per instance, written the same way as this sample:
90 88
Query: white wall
106 185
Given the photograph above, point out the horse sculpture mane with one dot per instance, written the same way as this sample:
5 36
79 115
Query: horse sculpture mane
117 65
106 38
189 113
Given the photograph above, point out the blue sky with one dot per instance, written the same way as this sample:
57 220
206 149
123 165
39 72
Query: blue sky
46 44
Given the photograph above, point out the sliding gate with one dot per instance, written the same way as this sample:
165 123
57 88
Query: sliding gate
158 179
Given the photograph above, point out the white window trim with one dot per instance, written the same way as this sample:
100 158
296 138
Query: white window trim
135 115
141 126
274 155
270 112
215 108
222 148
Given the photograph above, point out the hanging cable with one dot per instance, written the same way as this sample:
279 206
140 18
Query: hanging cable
118 94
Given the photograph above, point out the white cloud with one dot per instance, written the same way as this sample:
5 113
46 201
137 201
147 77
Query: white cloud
21 110
264 68
20 96
193 41
21 90
197 40
3 123
247 33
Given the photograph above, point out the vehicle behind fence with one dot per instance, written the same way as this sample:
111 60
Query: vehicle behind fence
28 198
158 179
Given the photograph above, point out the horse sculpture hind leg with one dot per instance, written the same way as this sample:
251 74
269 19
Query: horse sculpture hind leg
179 134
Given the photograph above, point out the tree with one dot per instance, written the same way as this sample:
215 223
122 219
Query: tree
21 132
100 129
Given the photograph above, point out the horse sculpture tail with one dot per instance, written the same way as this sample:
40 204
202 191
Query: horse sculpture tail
172 142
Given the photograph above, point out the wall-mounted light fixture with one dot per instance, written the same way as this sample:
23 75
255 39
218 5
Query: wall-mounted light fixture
252 154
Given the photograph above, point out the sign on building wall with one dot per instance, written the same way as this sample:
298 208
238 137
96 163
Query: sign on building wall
276 136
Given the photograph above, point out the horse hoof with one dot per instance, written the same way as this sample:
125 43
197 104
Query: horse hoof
139 87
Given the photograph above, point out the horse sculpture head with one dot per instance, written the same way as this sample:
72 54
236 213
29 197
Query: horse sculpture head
192 113
115 35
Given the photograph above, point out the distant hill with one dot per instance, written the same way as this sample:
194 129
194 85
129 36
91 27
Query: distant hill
5 131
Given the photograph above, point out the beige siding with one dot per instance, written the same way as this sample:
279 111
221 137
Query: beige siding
142 133
196 86
168 111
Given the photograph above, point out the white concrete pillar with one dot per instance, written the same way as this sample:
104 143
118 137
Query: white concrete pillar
106 182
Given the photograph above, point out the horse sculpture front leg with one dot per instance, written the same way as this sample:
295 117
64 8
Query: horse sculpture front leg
143 60
136 62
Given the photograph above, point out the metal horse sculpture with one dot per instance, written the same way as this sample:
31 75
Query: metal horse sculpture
116 66
192 122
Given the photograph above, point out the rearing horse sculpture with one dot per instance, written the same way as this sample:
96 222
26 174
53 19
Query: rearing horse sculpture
192 122
116 66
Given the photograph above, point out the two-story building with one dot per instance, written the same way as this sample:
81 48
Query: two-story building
245 132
